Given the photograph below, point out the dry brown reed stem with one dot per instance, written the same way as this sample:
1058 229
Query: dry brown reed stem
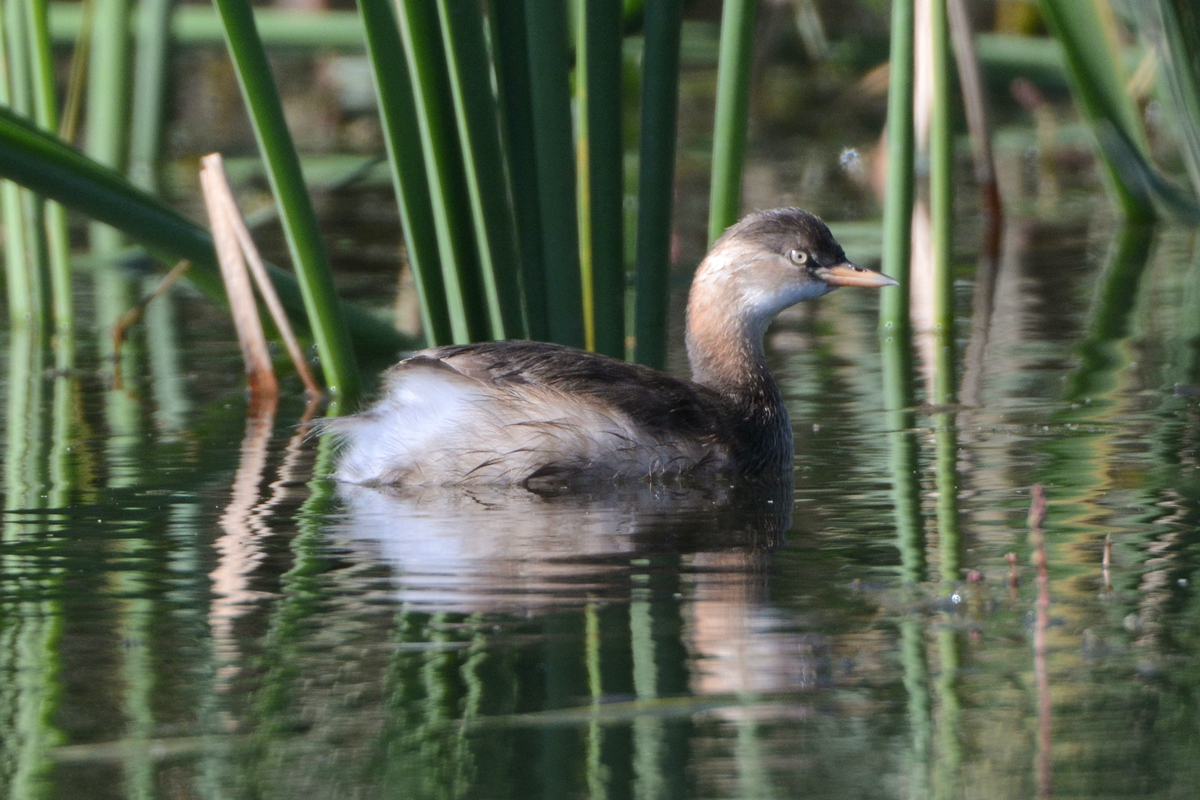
254 261
260 375
975 105
1037 540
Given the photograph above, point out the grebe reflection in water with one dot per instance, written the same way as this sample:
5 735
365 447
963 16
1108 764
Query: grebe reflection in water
542 414
497 548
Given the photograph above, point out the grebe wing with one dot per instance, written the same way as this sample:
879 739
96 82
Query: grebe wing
659 402
528 413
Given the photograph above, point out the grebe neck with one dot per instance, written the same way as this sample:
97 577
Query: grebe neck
726 321
726 353
725 338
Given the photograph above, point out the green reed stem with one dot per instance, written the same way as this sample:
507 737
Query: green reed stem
656 179
58 246
401 134
22 58
193 25
426 57
108 99
554 152
33 282
1089 36
898 200
732 114
465 41
583 170
601 174
941 205
1176 27
149 91
17 64
50 168
287 184
516 98
16 260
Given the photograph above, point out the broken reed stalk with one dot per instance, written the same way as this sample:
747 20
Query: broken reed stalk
260 376
1037 540
216 168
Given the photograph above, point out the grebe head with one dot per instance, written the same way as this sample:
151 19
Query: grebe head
774 259
760 266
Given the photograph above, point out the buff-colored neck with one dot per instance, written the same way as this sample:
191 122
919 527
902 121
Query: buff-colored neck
724 336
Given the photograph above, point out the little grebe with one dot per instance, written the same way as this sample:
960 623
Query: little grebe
543 414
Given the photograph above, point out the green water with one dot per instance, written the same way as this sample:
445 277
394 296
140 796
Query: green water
186 612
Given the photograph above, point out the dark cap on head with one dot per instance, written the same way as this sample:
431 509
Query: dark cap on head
782 229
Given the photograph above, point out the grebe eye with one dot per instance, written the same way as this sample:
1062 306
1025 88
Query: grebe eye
798 257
